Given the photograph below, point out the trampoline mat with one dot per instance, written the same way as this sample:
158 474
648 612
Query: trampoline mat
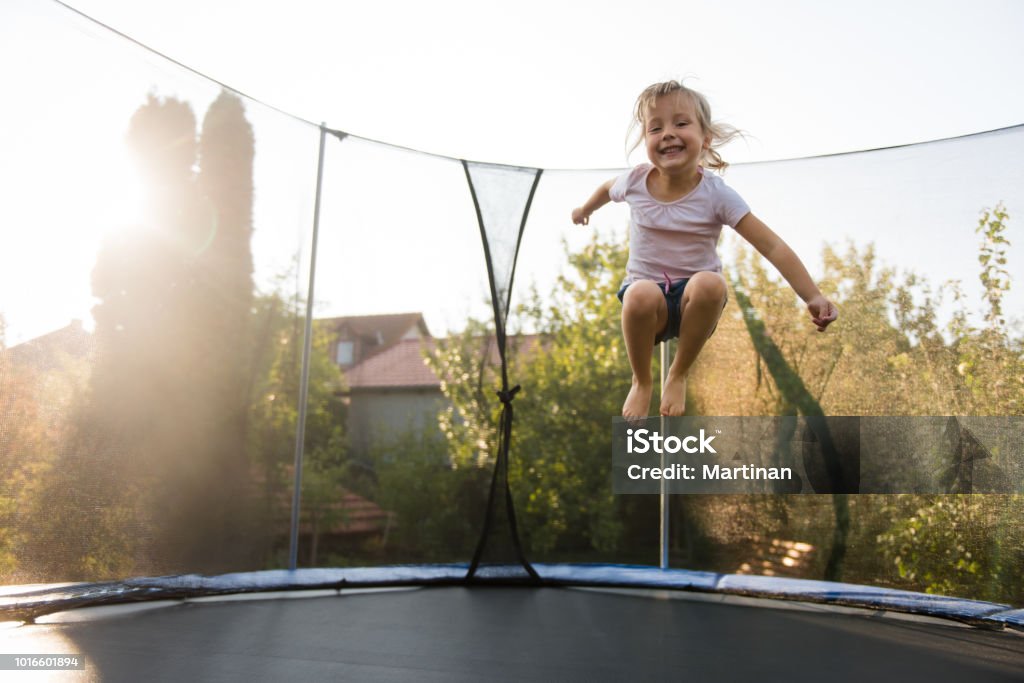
516 634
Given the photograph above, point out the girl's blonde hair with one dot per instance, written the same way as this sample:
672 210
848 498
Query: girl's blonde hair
721 133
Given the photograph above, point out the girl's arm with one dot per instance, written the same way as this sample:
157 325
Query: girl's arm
773 248
581 215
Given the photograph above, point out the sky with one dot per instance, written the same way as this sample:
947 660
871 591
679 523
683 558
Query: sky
538 84
551 84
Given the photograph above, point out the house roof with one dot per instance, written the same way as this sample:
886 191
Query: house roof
357 515
402 365
354 513
45 352
390 327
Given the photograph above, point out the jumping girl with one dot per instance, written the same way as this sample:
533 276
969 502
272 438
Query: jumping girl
673 285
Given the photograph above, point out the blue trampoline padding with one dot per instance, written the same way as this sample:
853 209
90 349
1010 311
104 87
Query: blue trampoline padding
278 579
827 592
19 603
1013 618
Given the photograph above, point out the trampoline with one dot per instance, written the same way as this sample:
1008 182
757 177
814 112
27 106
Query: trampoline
502 632
257 458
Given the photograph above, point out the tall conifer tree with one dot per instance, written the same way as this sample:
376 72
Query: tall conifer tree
154 477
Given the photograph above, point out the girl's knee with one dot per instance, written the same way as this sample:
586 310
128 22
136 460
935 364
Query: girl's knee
642 298
706 287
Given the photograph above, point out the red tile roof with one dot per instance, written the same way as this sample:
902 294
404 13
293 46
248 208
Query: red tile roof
358 516
354 514
402 365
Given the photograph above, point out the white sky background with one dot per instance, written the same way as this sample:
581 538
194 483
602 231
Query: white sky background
532 83
551 84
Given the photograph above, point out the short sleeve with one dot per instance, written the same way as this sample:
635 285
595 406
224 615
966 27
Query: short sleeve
730 205
618 190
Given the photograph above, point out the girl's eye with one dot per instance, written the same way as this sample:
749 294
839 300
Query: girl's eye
653 130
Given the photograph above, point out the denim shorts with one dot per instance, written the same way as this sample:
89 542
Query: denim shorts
673 299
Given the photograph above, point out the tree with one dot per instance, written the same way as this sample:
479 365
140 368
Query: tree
574 379
277 363
18 434
221 301
989 359
796 399
961 544
558 467
157 447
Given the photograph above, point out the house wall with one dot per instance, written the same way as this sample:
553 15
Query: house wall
380 416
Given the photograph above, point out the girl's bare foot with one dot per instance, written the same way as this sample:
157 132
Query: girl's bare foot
638 402
673 402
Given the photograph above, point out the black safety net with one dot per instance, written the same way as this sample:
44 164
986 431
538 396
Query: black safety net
500 195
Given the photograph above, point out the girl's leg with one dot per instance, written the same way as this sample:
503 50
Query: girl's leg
700 308
644 315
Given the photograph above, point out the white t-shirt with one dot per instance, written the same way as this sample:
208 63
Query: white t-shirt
675 238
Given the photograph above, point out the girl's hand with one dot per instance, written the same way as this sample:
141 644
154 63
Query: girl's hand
579 217
823 312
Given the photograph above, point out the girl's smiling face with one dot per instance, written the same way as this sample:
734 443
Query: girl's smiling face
673 135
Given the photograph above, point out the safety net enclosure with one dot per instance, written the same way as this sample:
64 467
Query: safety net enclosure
235 360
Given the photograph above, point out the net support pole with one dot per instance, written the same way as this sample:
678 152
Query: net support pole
307 349
663 349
